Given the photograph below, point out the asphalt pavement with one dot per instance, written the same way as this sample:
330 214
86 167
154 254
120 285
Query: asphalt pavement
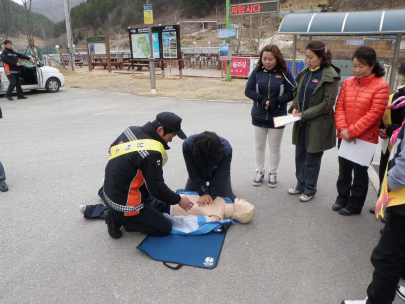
54 150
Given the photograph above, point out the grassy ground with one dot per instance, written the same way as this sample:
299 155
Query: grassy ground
170 86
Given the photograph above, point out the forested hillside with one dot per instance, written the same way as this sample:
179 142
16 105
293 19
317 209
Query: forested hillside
97 14
54 9
41 24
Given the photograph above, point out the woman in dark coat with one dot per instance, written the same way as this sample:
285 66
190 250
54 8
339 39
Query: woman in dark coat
270 87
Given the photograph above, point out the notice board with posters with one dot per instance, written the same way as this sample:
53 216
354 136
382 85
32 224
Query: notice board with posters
165 42
139 41
97 45
98 48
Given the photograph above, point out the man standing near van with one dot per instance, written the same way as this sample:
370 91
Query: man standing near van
12 69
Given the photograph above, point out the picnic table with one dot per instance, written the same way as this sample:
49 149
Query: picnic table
139 64
66 62
99 62
118 62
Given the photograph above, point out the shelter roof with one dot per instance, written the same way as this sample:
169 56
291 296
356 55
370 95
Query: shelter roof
345 23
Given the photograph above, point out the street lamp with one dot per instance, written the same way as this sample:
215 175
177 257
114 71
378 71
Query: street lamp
209 44
57 51
195 43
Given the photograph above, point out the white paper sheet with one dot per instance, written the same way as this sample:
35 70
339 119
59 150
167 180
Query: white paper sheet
360 153
284 120
384 144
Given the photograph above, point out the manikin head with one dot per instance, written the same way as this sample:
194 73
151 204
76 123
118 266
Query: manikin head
243 211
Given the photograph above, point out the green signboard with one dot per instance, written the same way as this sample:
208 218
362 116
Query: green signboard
96 39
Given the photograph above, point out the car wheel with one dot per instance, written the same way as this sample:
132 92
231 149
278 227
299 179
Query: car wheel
52 85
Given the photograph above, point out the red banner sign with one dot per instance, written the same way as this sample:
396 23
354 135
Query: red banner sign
239 67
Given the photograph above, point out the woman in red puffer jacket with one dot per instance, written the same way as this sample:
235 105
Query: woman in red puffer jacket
359 109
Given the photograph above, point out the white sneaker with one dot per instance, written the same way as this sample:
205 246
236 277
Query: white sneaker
355 301
292 190
258 179
272 180
82 208
305 198
401 292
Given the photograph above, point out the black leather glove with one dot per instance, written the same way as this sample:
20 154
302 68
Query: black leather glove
273 104
263 102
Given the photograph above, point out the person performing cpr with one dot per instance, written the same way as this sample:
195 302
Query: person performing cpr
134 172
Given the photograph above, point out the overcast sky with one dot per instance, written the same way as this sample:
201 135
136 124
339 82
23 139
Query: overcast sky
18 1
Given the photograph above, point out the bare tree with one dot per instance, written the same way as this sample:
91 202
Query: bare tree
255 37
7 11
29 26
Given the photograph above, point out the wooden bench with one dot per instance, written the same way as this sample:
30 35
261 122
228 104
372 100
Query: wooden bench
138 66
103 64
79 63
159 64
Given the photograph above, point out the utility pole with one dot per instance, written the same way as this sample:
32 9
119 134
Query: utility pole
69 35
228 26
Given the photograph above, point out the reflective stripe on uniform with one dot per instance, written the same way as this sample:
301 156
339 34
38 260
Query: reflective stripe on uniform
121 208
141 146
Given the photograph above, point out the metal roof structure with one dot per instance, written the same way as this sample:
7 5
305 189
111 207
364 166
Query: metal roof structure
349 23
356 23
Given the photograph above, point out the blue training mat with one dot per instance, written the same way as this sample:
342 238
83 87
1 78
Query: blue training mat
194 250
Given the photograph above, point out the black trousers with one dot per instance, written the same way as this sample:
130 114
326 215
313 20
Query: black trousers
307 165
352 190
388 259
150 219
226 190
383 166
15 82
2 173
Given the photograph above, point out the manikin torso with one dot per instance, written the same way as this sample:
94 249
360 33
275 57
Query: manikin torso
219 209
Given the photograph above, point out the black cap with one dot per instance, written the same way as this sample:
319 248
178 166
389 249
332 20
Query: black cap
171 121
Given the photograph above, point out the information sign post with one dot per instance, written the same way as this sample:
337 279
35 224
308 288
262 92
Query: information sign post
148 19
96 46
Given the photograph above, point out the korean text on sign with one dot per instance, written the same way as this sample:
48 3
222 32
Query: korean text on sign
245 9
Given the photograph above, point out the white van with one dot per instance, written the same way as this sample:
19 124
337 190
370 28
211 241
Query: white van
34 77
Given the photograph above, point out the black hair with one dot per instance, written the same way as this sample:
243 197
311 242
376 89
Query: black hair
7 42
281 64
156 124
207 148
401 69
321 50
367 55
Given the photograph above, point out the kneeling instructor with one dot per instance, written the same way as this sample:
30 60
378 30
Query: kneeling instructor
134 172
